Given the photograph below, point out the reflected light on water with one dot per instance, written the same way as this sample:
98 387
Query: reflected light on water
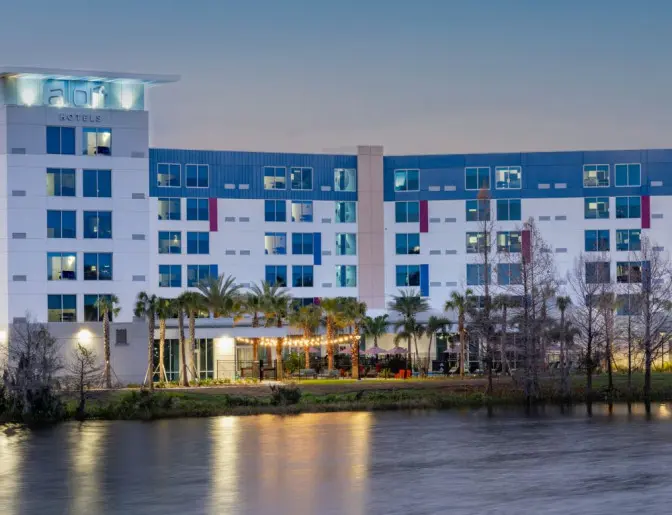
10 476
88 449
225 436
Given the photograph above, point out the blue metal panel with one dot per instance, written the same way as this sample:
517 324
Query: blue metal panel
247 168
424 280
317 248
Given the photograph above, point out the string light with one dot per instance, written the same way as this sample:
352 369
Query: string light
300 342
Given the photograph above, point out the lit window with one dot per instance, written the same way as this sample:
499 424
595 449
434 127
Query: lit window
170 276
596 240
406 212
301 178
407 243
596 207
61 266
476 274
276 275
97 141
98 266
476 242
629 272
61 308
346 212
275 211
508 177
595 176
61 140
477 210
98 224
97 183
628 174
345 179
509 273
406 180
346 276
302 243
197 176
168 175
628 207
508 209
61 182
346 244
169 208
275 243
198 243
199 273
170 242
628 240
407 275
61 224
509 241
476 178
275 177
302 211
302 276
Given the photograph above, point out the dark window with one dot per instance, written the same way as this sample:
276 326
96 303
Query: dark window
478 210
597 240
408 275
198 273
628 240
97 183
275 211
98 266
406 212
197 176
198 243
407 243
476 275
168 175
92 311
301 178
276 275
170 276
509 273
98 224
61 140
406 180
597 272
508 209
628 207
61 224
197 209
61 182
477 178
302 276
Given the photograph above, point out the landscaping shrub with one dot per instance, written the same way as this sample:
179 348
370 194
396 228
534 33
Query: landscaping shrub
285 395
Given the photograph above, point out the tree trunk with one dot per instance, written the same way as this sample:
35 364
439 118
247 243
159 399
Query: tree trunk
184 380
409 356
279 370
150 353
629 354
463 349
647 370
563 371
330 345
107 374
429 353
192 341
490 360
306 356
162 350
255 349
607 351
355 353
589 369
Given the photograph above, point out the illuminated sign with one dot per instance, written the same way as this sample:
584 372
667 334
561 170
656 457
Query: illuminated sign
92 118
60 93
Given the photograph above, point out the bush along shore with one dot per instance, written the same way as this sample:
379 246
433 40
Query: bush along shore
292 399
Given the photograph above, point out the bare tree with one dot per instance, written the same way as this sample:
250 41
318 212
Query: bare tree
608 306
562 303
84 374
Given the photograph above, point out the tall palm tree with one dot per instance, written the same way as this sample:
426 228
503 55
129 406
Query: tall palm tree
275 303
375 327
221 295
108 307
435 326
254 306
164 310
193 303
307 320
408 305
145 307
332 309
179 311
354 313
463 304
562 303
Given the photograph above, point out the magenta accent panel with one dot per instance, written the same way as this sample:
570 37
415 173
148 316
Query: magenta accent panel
646 212
212 214
424 216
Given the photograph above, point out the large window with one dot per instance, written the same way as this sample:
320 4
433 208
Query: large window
275 243
509 273
476 274
275 178
407 243
97 141
346 212
597 272
197 176
302 243
97 183
169 208
92 311
276 275
596 240
476 242
206 358
595 176
628 207
301 178
477 177
346 276
198 273
61 140
197 209
406 212
596 207
61 182
406 180
508 177
61 224
629 304
98 266
170 242
629 272
508 209
61 308
509 241
628 174
477 210
198 243
170 276
168 175
61 266
408 275
302 211
275 210
345 179
98 224
302 276
629 240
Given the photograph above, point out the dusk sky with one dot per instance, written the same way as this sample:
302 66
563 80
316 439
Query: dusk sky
416 76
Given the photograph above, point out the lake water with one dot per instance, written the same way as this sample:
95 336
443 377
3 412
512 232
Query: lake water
457 462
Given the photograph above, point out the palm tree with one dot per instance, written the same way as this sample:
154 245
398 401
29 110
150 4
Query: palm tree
562 303
193 303
307 320
462 304
375 327
408 305
333 320
164 310
145 307
220 295
254 305
178 311
108 307
503 302
435 326
354 313
275 304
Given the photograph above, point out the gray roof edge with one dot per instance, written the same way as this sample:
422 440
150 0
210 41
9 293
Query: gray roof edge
91 74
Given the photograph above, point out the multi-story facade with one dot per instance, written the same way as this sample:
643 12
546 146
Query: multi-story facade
84 199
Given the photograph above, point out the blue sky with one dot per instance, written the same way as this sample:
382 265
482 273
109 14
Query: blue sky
416 76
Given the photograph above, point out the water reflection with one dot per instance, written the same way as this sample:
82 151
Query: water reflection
355 463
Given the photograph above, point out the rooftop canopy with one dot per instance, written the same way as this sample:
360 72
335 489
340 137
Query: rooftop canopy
85 75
